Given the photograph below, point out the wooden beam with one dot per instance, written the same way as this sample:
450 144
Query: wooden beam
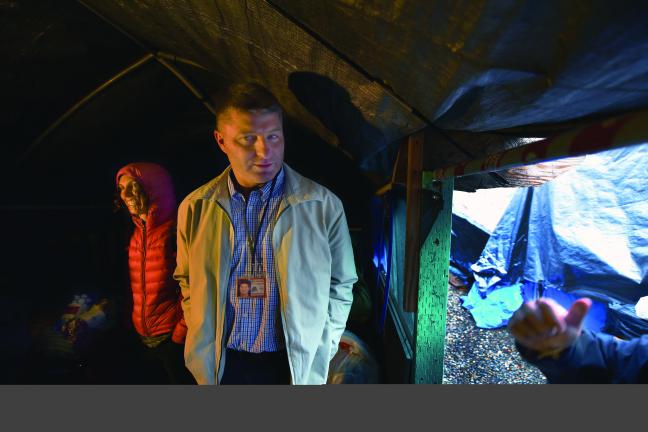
413 220
621 131
433 292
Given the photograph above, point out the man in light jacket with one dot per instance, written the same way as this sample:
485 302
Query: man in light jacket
261 223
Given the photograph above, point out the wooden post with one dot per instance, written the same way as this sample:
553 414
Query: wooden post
413 221
433 291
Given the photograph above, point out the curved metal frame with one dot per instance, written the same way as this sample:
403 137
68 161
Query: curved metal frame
74 108
161 57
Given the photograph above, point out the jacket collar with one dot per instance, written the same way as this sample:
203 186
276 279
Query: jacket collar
275 186
297 189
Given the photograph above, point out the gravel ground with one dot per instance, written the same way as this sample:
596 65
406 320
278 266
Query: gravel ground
481 356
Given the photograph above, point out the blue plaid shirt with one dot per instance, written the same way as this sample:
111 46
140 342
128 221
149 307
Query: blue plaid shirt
254 323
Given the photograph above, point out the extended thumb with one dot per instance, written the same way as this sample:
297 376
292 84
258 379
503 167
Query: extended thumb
577 312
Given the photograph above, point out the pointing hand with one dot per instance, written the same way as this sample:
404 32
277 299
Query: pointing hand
546 327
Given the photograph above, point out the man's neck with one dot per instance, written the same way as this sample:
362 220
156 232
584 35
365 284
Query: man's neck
244 190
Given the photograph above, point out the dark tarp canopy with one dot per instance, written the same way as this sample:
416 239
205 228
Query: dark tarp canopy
372 72
361 75
490 65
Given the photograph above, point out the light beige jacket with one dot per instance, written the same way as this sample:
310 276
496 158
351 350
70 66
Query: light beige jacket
315 268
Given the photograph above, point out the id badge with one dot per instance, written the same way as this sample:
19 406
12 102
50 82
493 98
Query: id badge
251 287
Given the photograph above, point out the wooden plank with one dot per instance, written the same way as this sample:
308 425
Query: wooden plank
413 220
621 131
433 293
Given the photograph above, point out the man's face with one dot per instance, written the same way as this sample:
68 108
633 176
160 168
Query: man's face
244 289
133 196
253 143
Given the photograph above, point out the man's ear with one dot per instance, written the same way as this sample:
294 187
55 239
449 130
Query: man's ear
219 140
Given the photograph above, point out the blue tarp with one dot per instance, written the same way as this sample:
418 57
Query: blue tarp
467 242
584 233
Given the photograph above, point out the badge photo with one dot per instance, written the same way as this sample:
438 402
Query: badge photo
243 287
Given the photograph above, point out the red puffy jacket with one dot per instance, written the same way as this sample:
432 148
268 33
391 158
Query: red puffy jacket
152 256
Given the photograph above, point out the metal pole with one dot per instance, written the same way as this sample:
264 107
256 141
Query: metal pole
74 108
184 80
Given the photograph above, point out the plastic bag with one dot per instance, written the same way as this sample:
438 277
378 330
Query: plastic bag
353 363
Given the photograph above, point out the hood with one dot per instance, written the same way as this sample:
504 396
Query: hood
158 186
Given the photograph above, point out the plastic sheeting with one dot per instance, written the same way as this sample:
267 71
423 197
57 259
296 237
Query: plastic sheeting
467 242
353 363
487 64
493 310
252 41
364 74
583 234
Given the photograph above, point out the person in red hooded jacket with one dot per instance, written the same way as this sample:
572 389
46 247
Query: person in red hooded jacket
146 191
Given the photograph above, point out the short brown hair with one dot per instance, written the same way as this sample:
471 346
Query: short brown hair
248 96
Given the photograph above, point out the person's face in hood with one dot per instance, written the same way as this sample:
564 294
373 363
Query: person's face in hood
133 196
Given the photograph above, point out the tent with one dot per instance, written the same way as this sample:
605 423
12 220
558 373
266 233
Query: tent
582 234
91 85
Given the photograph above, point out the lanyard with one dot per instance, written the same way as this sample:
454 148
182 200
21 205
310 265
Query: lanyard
253 246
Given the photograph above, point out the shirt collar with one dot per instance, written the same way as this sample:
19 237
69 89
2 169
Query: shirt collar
265 189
